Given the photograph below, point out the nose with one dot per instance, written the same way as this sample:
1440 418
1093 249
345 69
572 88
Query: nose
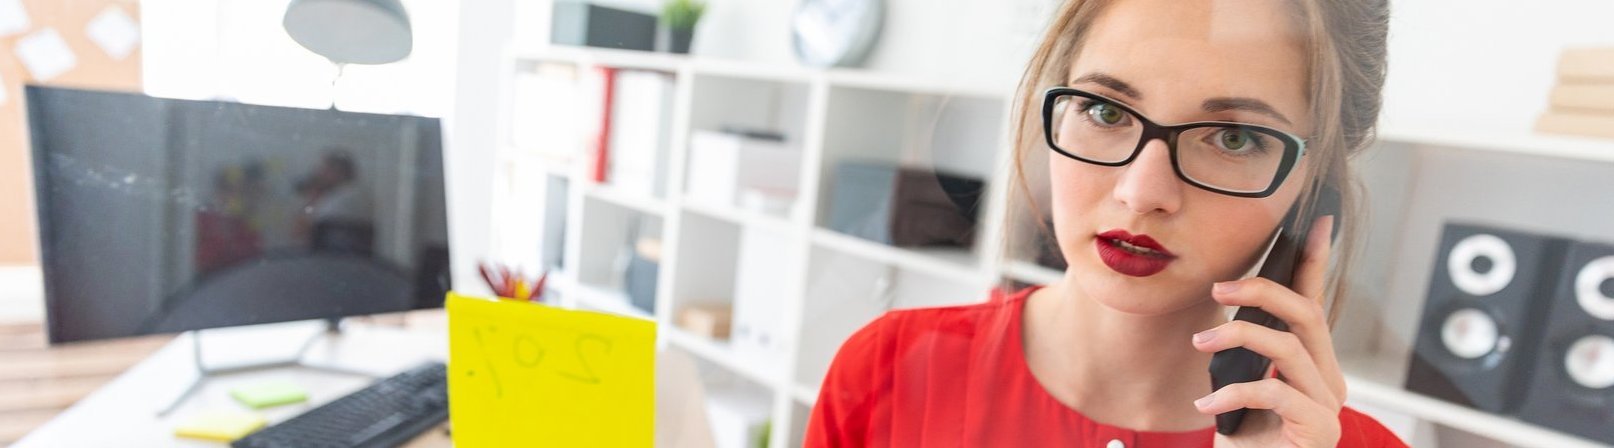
1149 184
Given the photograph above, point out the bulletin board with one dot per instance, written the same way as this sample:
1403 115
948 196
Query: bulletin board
103 39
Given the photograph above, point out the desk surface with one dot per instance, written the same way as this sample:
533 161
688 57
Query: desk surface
124 412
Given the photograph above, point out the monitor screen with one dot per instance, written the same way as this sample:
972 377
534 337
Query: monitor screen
162 215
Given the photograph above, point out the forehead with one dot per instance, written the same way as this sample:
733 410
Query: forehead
1195 49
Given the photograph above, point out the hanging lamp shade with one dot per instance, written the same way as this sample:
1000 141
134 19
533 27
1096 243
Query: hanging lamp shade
351 31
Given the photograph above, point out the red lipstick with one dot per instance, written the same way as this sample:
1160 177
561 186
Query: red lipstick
1134 255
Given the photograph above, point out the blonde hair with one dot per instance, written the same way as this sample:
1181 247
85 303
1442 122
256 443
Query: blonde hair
1346 65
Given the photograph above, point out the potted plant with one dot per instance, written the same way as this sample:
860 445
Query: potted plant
680 17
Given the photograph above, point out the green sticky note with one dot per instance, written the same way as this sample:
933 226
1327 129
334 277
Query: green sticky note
221 426
269 394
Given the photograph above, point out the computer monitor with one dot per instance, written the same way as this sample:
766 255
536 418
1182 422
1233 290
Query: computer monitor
163 215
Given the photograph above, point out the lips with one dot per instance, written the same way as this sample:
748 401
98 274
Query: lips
1134 255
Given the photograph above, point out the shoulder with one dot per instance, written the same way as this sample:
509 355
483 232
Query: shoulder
1360 430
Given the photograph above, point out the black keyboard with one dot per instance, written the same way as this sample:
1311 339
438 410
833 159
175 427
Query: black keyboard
388 413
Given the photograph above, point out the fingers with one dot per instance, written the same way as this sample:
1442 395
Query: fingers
1306 318
1299 312
1302 418
1312 273
1283 348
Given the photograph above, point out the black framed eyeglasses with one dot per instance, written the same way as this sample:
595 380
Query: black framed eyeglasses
1236 159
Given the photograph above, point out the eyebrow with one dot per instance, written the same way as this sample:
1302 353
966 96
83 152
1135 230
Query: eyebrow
1112 83
1245 104
1212 105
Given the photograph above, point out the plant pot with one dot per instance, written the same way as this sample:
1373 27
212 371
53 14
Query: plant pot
679 40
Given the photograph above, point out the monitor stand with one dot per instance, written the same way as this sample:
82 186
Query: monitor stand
333 328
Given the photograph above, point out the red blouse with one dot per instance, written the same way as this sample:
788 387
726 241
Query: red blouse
957 376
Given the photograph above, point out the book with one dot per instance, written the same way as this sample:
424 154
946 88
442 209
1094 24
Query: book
600 157
641 121
1586 64
1584 97
1577 123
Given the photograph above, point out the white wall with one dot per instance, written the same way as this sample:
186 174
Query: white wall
1483 64
237 49
471 135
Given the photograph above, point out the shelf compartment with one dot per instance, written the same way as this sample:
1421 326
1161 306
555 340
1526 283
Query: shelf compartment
746 140
727 266
615 242
935 153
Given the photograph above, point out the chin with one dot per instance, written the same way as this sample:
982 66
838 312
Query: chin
1146 296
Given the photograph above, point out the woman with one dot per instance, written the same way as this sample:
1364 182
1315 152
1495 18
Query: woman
1149 216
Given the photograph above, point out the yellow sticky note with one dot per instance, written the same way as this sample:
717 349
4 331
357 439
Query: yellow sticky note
527 374
224 426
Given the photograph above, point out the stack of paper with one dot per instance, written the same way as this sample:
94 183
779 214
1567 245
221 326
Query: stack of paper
1583 99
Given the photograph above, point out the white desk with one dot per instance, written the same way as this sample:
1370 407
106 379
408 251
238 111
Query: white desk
124 412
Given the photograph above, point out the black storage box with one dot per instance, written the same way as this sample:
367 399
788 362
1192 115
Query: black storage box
904 206
587 24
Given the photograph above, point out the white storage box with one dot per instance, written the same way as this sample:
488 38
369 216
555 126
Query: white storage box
722 166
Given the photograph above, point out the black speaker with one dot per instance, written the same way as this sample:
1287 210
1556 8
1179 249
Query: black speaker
1573 386
1482 316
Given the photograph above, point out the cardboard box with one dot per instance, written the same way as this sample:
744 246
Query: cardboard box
1577 123
1586 64
711 321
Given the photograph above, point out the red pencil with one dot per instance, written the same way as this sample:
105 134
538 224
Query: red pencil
483 268
537 293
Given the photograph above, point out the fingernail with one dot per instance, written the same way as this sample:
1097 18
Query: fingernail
1206 401
1226 287
1205 336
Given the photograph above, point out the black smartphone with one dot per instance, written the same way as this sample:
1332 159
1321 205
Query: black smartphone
1238 364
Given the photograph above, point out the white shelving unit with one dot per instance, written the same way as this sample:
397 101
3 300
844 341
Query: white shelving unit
830 116
1420 177
840 282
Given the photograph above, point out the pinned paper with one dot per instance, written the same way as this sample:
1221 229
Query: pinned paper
13 18
45 54
526 374
114 32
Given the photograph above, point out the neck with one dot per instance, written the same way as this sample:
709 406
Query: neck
1129 370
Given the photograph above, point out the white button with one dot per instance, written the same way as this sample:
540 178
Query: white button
1115 443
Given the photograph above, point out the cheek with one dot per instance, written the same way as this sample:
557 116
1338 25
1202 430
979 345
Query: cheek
1228 254
1076 187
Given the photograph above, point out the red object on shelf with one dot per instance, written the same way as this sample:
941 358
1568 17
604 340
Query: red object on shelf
602 143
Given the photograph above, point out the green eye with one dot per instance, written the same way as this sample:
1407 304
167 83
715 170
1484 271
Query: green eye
1235 140
1105 113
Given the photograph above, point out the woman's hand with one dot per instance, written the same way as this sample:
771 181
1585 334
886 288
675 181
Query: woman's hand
1300 407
